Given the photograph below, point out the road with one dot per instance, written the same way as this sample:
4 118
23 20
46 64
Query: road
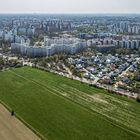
13 129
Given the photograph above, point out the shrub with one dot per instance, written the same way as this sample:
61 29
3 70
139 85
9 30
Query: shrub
138 98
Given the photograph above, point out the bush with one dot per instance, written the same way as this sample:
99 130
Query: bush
138 98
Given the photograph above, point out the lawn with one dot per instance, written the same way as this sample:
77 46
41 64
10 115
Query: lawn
63 109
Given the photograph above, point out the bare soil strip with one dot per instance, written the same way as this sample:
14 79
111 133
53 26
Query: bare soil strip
13 129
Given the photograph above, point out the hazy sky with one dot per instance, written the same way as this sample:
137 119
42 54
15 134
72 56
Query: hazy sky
70 6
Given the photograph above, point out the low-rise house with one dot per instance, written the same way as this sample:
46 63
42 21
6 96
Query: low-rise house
87 75
125 80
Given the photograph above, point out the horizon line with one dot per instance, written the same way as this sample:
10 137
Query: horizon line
114 13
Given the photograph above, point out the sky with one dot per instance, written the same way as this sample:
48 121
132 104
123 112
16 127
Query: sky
69 6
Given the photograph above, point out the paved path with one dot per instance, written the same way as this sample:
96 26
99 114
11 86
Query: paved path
13 129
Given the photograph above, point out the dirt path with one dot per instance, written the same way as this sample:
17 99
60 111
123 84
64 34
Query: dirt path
12 129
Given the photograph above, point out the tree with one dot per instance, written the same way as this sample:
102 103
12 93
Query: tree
139 50
1 61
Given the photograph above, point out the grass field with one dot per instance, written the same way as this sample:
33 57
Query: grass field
64 109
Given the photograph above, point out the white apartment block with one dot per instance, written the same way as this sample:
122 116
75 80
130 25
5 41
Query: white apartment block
50 47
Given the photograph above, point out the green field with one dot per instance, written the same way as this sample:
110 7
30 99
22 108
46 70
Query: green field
64 109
